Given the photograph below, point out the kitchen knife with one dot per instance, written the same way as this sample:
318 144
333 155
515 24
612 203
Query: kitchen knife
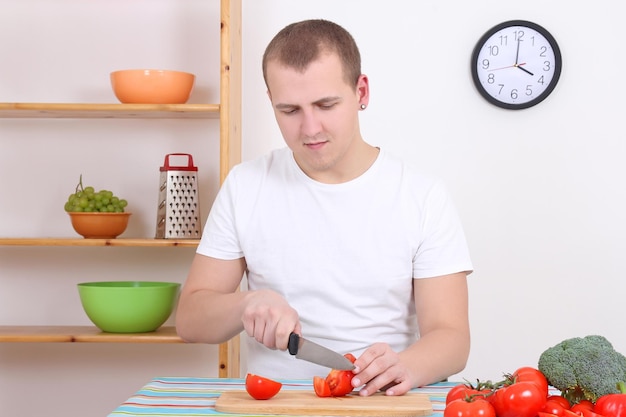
312 352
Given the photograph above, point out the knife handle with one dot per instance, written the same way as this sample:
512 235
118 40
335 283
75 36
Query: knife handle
292 345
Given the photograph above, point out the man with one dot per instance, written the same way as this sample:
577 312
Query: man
340 242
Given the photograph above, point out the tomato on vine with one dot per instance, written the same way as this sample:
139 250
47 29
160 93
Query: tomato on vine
530 374
521 399
475 407
465 391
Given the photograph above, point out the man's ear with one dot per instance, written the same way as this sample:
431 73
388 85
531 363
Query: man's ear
363 89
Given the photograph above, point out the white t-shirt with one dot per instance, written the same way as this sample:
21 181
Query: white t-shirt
343 255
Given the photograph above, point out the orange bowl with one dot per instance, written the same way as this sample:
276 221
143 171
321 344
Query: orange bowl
152 86
92 225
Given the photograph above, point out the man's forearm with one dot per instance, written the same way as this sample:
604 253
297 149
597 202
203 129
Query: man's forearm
206 317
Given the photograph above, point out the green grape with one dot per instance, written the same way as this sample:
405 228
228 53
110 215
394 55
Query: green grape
89 200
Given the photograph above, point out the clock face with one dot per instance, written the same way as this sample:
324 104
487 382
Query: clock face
516 64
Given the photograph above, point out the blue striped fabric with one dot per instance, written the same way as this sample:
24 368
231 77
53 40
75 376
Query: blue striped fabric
185 397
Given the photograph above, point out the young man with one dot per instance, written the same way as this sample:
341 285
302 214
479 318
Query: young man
340 242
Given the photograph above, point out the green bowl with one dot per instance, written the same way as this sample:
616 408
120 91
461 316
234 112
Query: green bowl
128 306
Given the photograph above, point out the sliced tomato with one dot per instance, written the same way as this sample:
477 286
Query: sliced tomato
321 387
337 383
261 388
340 381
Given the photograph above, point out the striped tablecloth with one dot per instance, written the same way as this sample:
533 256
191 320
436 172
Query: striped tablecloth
185 397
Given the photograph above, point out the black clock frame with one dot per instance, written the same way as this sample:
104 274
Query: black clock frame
558 64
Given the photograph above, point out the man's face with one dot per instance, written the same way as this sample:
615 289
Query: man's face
317 113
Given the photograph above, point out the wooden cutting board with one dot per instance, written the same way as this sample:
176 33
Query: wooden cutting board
306 403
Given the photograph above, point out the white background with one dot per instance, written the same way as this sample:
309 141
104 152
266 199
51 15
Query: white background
540 191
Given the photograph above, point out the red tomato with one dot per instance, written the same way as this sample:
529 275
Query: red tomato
528 373
321 387
553 407
340 381
261 388
582 405
561 400
589 413
611 405
478 407
337 383
459 392
542 414
522 399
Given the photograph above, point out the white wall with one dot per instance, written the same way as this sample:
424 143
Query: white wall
539 190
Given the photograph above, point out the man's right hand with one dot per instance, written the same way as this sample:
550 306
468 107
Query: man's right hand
269 318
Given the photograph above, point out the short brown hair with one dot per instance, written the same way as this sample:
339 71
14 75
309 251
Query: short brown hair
299 44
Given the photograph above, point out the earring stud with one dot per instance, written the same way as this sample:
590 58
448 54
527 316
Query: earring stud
363 106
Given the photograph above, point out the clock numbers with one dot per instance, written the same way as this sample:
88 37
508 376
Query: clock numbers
516 64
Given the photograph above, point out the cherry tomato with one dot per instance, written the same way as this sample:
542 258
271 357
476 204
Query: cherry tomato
261 388
321 387
561 400
521 399
477 407
528 373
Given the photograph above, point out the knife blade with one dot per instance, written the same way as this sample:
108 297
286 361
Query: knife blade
312 352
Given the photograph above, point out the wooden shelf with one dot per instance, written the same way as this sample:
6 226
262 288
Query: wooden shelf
84 334
55 241
109 111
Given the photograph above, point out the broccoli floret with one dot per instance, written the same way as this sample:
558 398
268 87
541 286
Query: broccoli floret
583 368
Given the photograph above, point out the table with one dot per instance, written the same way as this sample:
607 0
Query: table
188 397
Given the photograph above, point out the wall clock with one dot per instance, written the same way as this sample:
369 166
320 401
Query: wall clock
516 64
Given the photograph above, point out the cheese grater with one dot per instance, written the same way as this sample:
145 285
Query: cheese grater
178 213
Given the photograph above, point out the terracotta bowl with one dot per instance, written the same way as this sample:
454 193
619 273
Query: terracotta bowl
128 306
152 86
99 225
